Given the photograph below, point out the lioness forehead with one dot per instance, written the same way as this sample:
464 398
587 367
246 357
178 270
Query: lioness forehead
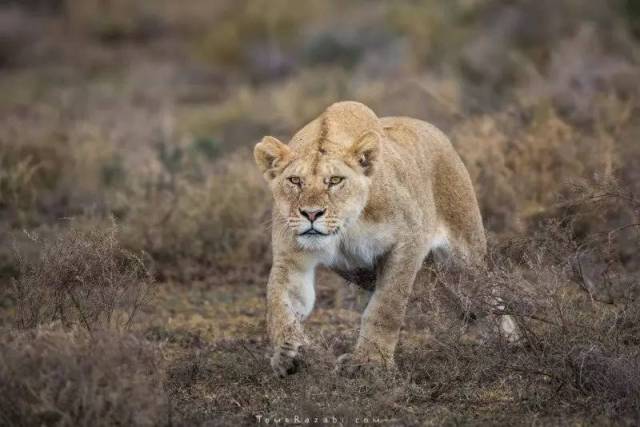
317 164
315 140
337 127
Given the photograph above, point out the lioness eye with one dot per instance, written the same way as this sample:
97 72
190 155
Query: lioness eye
294 180
335 180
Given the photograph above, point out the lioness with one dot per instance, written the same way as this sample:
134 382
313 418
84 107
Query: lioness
368 197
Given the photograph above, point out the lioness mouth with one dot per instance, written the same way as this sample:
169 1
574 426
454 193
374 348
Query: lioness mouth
312 232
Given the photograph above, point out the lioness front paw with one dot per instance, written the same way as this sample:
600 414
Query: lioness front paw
350 365
286 359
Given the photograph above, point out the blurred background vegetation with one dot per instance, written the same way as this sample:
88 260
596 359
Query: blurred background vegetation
146 111
143 114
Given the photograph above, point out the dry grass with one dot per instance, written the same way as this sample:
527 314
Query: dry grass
51 377
216 220
83 276
531 158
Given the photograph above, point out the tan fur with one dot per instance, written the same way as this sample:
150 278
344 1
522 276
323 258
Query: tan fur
405 192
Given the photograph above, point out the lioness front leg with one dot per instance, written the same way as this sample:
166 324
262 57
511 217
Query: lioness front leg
290 299
383 317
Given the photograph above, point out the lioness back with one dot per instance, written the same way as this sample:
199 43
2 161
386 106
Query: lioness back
432 171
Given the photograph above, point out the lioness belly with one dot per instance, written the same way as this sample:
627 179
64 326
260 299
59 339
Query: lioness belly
361 256
363 277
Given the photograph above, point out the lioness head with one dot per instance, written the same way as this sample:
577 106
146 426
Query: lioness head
320 180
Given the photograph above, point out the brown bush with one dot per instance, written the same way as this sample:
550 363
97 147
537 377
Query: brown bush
193 227
613 378
30 167
524 161
113 21
84 277
51 377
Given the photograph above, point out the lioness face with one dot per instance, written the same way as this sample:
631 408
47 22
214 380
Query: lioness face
320 202
318 194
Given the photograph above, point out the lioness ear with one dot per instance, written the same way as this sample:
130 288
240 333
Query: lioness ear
270 154
365 150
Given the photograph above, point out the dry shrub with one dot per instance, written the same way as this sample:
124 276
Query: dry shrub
581 69
31 165
577 346
51 377
613 378
432 28
114 20
190 224
17 29
578 351
51 166
83 277
522 162
245 25
17 191
605 227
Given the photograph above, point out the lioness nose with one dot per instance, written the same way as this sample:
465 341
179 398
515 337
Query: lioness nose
312 214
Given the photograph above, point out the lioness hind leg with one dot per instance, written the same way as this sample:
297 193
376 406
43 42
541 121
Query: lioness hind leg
457 291
508 326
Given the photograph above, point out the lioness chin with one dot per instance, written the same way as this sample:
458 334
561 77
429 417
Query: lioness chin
369 198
